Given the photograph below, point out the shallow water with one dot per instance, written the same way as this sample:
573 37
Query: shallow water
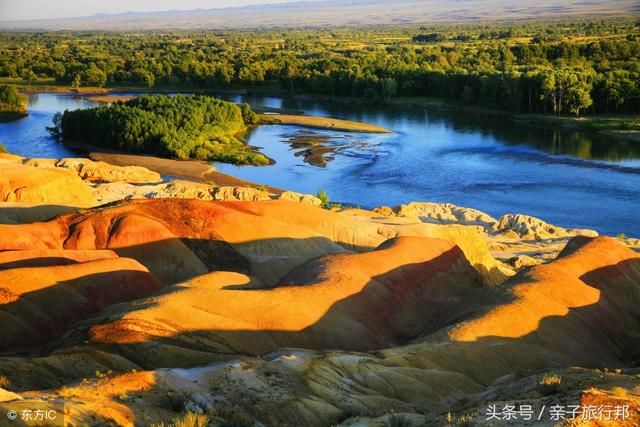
498 166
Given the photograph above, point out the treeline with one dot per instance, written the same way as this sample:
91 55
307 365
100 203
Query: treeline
182 127
562 67
11 101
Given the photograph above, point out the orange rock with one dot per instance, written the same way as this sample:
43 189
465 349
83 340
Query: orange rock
582 280
49 257
39 303
27 184
350 301
179 239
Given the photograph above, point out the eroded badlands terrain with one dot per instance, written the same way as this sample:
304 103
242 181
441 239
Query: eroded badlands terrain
134 300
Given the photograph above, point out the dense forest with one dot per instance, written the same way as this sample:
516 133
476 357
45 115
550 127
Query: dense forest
11 101
183 127
564 67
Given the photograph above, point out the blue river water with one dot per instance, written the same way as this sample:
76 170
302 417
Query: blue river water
567 178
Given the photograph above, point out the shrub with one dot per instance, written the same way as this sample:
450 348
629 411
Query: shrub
461 421
549 384
620 392
397 420
189 419
3 149
324 199
4 382
248 115
175 401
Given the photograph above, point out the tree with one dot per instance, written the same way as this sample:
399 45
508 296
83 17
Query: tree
29 76
568 90
249 117
11 101
95 76
480 65
578 96
389 88
76 82
428 38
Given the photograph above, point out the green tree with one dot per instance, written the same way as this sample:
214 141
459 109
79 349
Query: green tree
325 202
95 76
389 88
248 115
29 76
77 81
11 101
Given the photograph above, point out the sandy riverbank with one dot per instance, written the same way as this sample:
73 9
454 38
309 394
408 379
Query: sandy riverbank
316 122
110 98
191 170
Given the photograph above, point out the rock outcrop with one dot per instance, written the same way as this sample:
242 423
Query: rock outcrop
471 239
244 194
300 198
446 213
520 226
519 241
91 171
530 228
104 172
27 184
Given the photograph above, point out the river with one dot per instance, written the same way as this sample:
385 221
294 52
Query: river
498 166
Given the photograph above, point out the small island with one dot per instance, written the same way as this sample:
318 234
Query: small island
13 106
181 127
276 116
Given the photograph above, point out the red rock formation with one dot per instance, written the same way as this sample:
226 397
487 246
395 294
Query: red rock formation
39 303
180 239
352 301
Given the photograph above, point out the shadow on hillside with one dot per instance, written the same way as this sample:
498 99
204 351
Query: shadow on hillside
377 316
388 310
596 335
30 320
16 214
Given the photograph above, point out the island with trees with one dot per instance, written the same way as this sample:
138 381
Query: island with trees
181 127
12 104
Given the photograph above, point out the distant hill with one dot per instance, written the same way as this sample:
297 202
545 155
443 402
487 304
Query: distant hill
316 13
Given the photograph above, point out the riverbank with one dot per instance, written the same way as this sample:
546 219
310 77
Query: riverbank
11 116
623 126
626 127
191 170
315 122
